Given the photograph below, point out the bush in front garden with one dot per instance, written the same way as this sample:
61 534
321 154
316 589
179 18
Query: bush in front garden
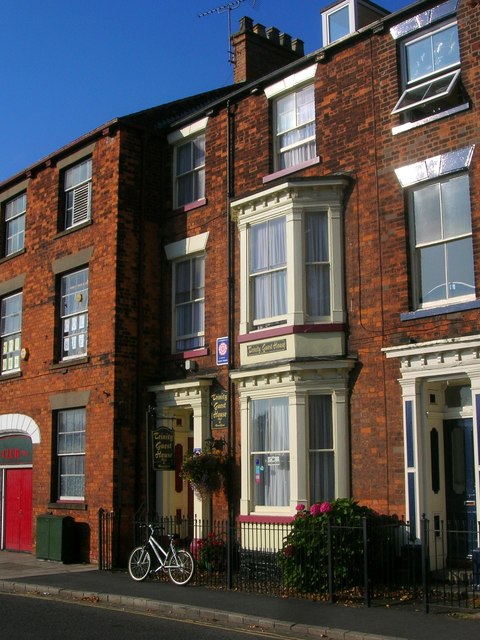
304 555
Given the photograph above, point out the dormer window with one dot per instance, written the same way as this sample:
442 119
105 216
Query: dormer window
338 22
344 18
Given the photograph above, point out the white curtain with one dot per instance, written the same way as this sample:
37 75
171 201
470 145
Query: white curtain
270 452
268 267
322 460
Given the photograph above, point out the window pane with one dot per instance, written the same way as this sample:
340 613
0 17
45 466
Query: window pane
322 460
419 58
461 281
445 48
189 171
71 453
432 273
338 24
432 53
295 116
270 456
456 206
74 312
189 303
428 225
322 476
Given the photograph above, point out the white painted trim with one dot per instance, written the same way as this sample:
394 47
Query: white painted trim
11 423
186 246
290 82
186 132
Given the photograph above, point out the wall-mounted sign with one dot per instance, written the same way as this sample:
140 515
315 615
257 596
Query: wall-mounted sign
15 450
263 348
163 449
222 350
219 410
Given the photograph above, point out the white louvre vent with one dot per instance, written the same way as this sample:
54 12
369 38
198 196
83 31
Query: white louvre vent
81 203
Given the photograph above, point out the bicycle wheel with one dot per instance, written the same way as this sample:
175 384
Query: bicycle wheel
139 564
181 567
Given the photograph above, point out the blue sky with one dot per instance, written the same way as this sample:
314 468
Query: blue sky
67 67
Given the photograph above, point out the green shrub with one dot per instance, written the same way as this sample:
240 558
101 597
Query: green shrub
304 555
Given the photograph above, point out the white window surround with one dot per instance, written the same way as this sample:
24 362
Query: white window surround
435 167
424 19
293 200
296 382
186 132
291 82
186 246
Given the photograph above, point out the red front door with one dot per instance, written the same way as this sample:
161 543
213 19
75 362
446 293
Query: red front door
18 510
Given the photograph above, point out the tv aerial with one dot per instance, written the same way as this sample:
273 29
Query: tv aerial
227 8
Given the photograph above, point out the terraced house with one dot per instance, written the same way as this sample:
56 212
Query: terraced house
289 264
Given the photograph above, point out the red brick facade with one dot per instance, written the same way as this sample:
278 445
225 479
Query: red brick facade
130 362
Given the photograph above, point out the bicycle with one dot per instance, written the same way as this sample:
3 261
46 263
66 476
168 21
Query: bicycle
178 563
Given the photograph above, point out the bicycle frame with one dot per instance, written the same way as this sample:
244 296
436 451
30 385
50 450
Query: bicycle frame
158 549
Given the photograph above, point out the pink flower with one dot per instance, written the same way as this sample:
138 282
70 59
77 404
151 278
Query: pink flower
316 509
325 507
300 507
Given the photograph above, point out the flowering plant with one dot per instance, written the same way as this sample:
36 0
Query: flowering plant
305 551
206 470
209 552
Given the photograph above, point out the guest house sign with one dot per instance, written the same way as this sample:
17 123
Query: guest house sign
163 449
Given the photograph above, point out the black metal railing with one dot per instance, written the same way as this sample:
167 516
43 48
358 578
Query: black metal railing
358 561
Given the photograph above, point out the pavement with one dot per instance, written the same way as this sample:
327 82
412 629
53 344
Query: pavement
23 573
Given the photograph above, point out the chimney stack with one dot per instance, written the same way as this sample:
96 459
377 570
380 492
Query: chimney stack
259 51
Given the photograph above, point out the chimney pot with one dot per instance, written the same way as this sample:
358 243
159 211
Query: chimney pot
297 46
259 29
273 34
246 24
286 40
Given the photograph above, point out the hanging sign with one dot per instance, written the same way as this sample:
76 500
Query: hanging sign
219 409
163 449
222 351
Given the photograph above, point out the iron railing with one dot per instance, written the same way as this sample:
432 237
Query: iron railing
353 562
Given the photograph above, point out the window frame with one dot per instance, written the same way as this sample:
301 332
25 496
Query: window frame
449 74
13 354
187 136
442 242
192 302
13 219
280 152
195 173
256 469
78 455
75 215
79 317
326 26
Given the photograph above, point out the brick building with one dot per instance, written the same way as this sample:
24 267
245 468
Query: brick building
289 264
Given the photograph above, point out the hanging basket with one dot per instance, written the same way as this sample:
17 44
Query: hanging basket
206 470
